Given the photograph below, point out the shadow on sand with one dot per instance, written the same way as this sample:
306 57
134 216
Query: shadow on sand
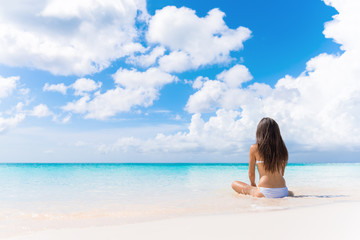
319 196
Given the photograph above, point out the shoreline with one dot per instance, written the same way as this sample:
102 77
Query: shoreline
330 221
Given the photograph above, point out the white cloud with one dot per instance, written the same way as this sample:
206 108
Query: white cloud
41 110
194 41
6 123
66 119
207 98
320 109
7 85
59 118
235 76
343 28
79 106
176 61
69 37
11 117
224 92
24 91
61 88
84 85
81 86
133 88
199 82
146 60
220 134
151 78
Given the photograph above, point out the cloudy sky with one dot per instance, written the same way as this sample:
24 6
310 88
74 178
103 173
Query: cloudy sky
177 80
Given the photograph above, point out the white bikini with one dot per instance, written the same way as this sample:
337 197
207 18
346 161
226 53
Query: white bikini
273 192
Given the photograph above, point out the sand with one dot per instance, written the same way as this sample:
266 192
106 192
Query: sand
331 221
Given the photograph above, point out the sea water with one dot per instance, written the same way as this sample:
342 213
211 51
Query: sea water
44 196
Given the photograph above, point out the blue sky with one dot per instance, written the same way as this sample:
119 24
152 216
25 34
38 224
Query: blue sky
176 81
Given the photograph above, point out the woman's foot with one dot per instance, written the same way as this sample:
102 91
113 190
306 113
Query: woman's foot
290 193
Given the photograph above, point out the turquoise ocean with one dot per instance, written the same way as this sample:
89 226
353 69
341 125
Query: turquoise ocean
44 196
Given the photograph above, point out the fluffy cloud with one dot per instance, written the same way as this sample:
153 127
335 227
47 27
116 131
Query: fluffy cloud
84 85
133 88
84 37
61 88
176 61
15 115
9 122
147 60
81 86
69 37
193 41
319 109
221 133
342 29
224 92
7 85
152 78
79 106
41 110
235 76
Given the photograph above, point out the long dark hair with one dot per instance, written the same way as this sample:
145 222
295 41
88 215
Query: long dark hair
271 145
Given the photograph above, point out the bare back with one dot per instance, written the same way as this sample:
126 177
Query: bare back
267 179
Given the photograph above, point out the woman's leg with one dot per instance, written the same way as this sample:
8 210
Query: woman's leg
243 188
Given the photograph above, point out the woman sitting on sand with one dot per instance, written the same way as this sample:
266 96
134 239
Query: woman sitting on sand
271 156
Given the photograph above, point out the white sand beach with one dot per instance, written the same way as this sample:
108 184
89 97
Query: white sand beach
331 221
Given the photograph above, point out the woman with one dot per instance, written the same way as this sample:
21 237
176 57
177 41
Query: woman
271 156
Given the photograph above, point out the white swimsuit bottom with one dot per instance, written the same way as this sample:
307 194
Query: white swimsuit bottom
274 192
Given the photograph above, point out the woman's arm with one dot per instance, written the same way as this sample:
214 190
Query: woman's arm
252 161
